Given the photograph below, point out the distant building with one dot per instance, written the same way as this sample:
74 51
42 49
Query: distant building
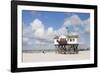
68 43
71 39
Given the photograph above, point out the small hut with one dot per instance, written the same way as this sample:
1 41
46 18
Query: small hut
68 43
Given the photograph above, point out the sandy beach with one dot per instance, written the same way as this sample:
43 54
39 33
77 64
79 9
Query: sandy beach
52 56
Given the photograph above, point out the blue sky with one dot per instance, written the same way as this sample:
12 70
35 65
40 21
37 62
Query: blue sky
55 19
54 22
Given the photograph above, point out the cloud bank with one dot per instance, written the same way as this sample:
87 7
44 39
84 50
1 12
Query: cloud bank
36 33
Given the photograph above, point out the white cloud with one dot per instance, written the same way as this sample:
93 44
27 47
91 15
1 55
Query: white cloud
80 27
37 24
36 33
87 29
61 31
38 28
87 21
39 33
75 33
50 31
73 20
87 25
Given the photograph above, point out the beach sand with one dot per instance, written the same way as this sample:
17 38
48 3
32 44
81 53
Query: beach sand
52 56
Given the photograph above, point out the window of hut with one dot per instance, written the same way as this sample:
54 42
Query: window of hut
70 39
